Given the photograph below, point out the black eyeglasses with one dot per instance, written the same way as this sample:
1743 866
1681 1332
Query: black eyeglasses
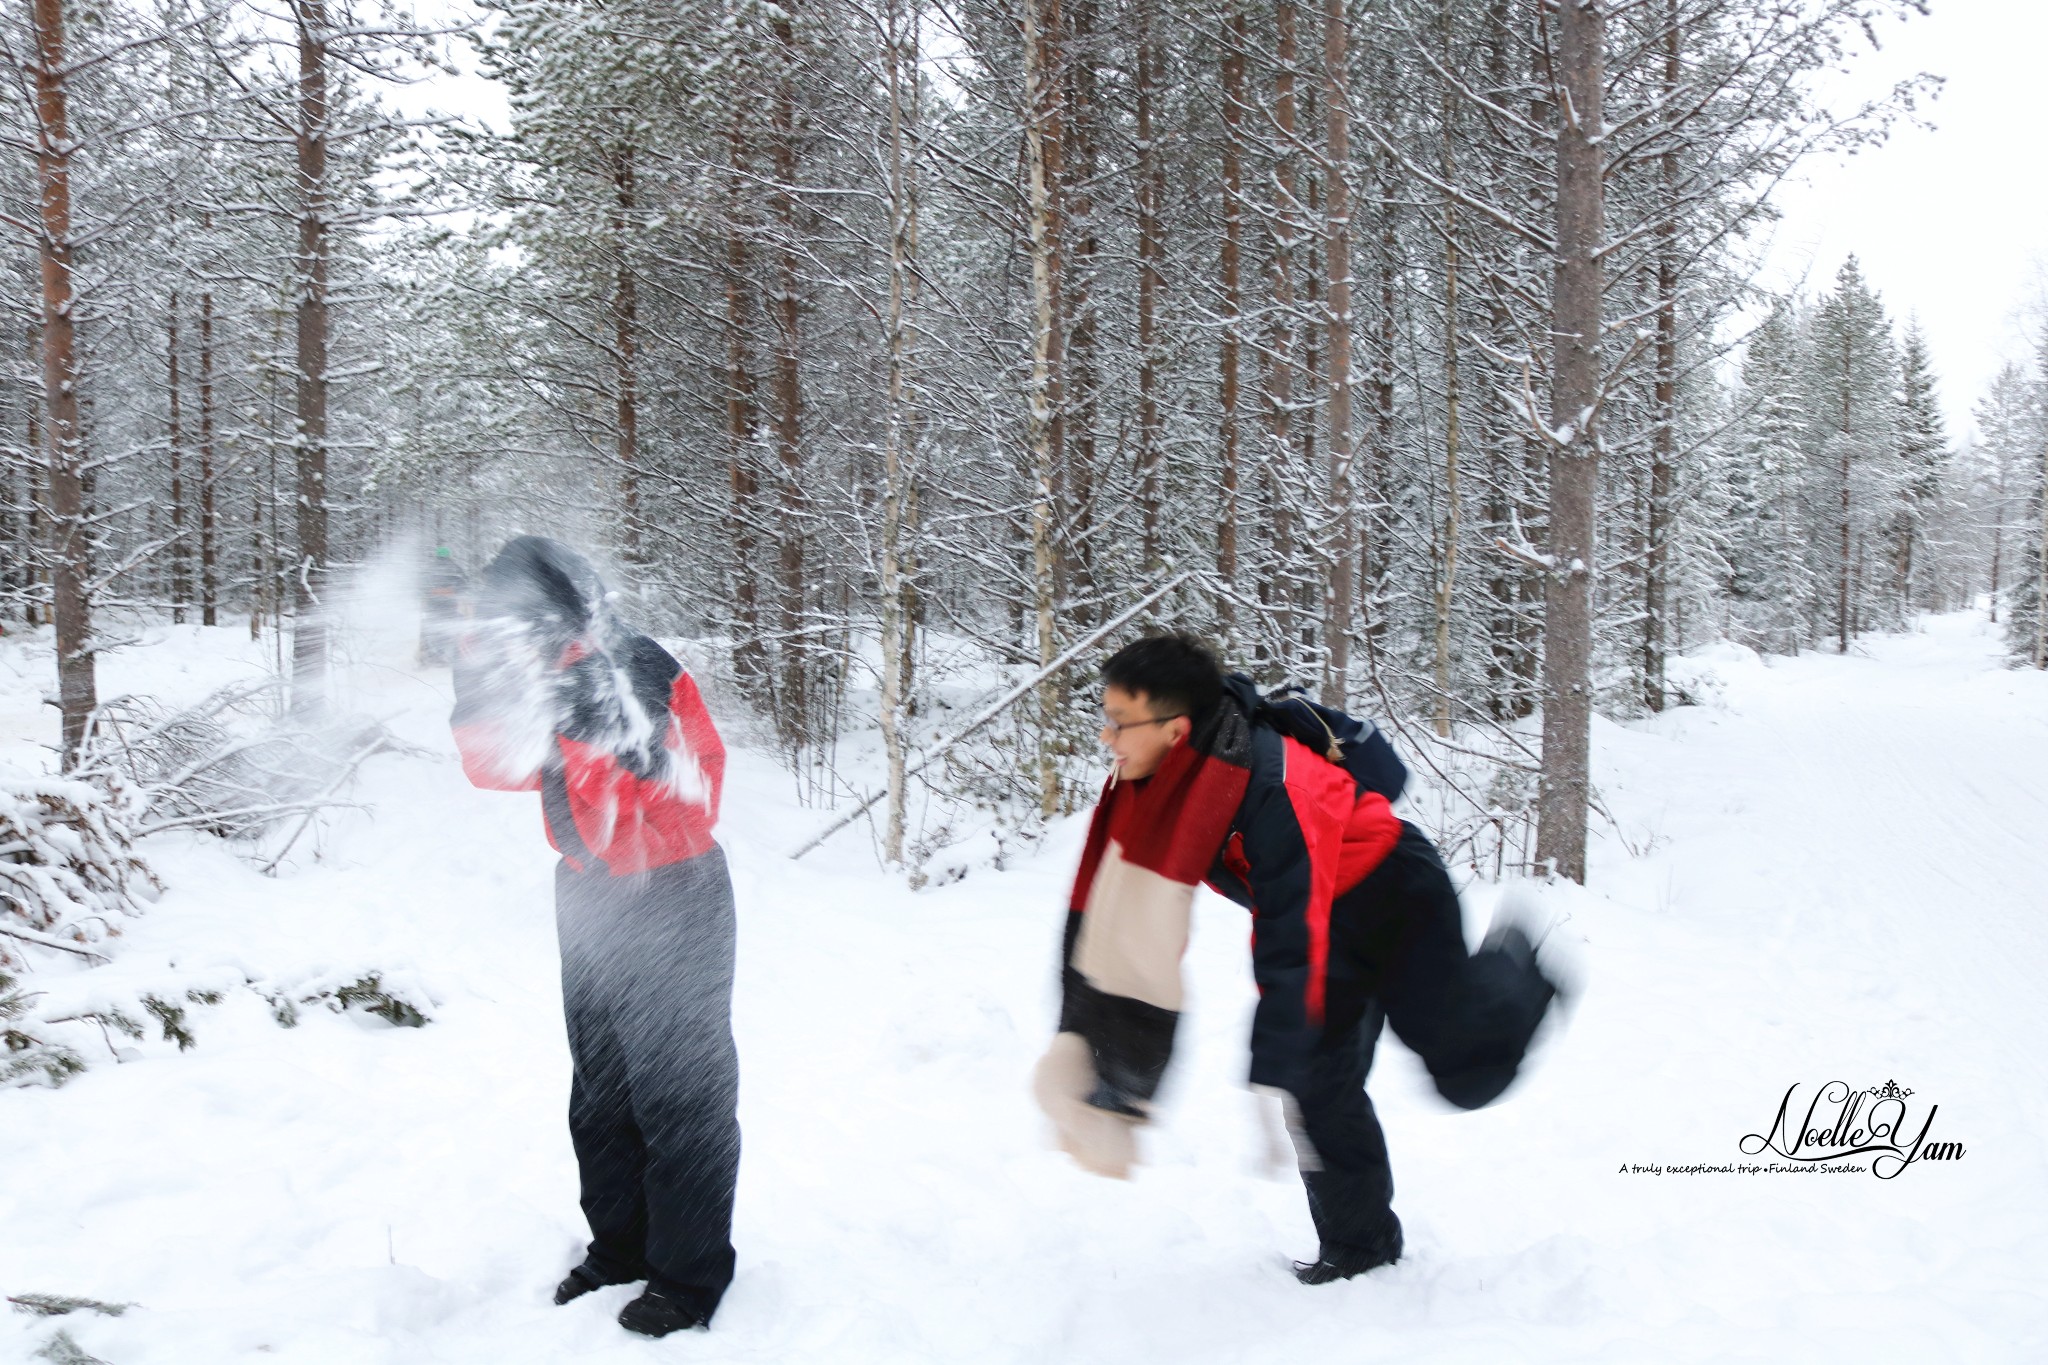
1118 727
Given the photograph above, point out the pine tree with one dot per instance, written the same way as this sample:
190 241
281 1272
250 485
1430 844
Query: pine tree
1854 382
1923 460
2021 446
2005 417
1769 583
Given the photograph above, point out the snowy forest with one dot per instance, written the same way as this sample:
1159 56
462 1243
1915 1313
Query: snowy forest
843 381
1416 348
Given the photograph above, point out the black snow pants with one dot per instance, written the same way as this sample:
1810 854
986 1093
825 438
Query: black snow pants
1397 956
647 964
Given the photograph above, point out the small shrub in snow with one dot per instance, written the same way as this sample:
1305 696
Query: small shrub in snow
369 995
399 1005
46 1043
68 866
171 1017
59 1305
24 1055
402 1006
62 1350
69 871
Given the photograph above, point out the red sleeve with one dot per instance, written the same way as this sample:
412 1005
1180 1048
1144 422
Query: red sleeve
483 760
697 737
1369 836
486 689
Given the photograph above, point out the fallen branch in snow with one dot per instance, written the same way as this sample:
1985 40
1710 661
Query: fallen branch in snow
1006 701
230 766
48 941
43 1043
327 797
57 1305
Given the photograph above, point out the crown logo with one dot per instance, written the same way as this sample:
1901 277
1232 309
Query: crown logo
1890 1090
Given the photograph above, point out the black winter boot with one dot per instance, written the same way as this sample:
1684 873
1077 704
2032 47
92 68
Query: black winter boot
1342 1262
585 1278
658 1312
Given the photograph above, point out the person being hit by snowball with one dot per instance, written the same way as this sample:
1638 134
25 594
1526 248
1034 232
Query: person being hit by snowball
555 694
1355 924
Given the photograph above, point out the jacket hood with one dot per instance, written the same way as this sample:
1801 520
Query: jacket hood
545 586
1225 730
1242 690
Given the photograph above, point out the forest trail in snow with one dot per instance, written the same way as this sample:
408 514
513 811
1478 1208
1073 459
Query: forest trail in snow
1836 876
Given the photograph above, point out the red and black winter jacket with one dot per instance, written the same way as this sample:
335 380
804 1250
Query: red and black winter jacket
1266 822
617 742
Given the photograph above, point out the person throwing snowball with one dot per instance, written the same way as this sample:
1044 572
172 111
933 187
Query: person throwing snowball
554 694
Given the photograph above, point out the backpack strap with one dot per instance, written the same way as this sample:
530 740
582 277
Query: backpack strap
1332 749
554 803
1362 750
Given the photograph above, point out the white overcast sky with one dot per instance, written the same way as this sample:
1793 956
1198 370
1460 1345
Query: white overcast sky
1950 222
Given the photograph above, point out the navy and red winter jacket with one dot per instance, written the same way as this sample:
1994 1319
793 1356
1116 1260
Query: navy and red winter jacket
1299 832
553 694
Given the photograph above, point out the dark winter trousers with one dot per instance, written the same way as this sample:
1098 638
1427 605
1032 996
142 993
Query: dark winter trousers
647 965
1397 956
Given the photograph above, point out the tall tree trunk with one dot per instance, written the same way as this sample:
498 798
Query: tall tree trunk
1531 589
1448 577
266 536
1908 533
209 550
1373 531
899 457
260 571
626 359
1998 542
749 659
1576 321
1337 594
1230 347
2041 569
70 541
35 572
1278 590
1151 193
309 629
17 546
1042 150
1663 436
1309 601
1842 569
793 710
1496 423
181 552
1077 381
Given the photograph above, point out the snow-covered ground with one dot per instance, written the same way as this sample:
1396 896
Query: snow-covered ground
1837 875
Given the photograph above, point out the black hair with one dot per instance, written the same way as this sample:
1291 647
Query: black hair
1176 672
